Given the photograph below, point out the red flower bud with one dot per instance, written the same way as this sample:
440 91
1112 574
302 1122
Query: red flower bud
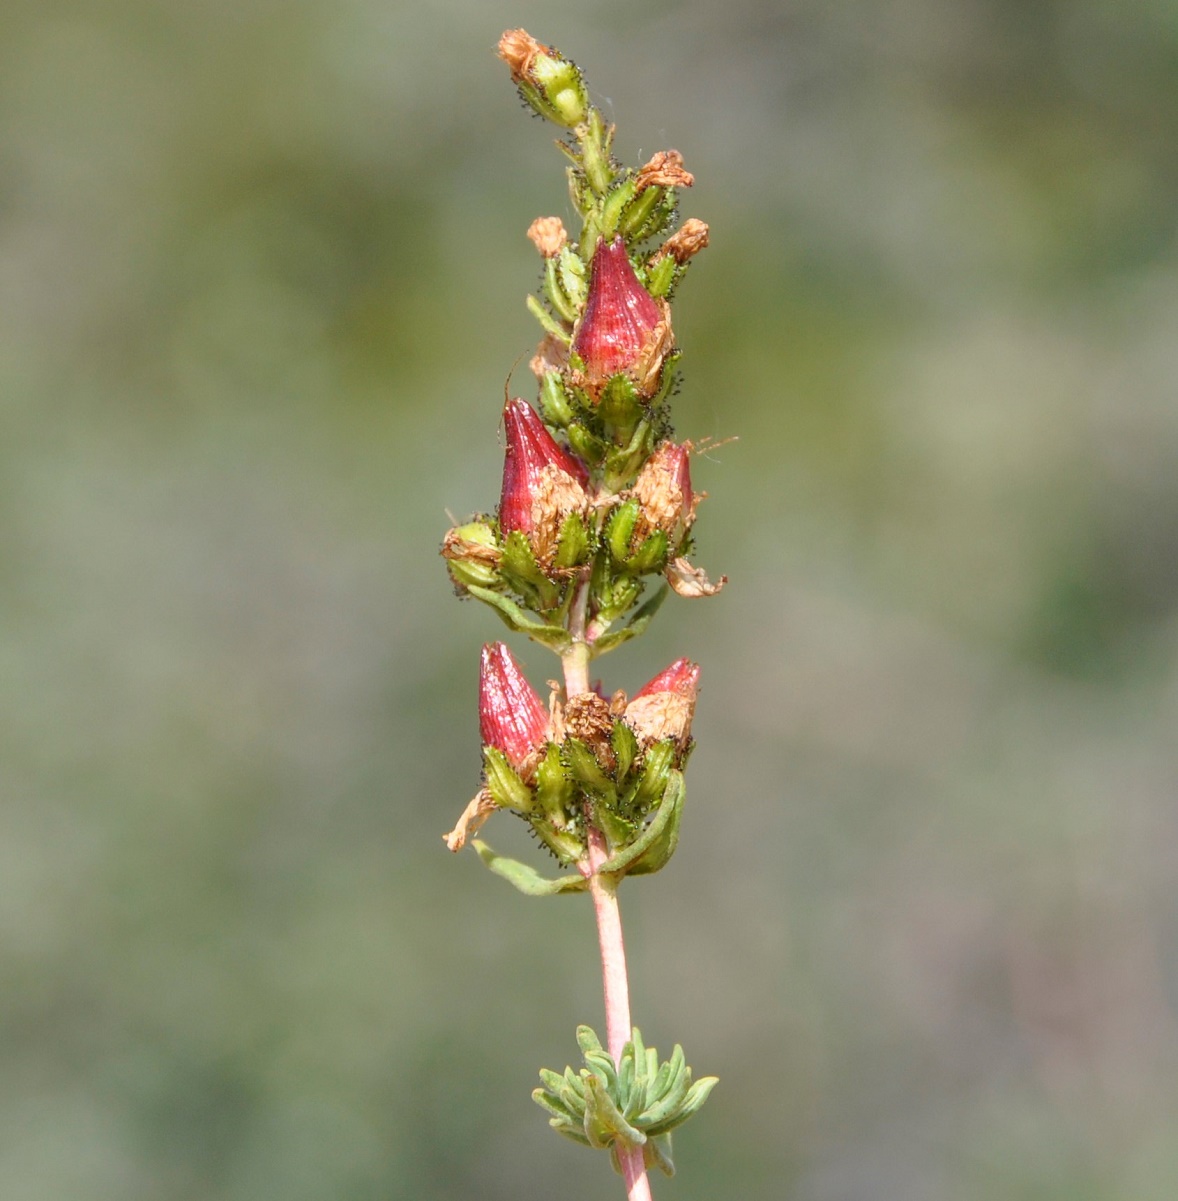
531 454
623 329
663 707
542 483
512 718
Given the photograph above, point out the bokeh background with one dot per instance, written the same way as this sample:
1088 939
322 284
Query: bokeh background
262 269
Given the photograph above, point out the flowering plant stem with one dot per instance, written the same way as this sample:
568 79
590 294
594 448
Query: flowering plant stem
607 910
596 499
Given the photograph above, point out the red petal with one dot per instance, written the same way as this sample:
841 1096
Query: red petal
530 448
512 718
681 677
619 317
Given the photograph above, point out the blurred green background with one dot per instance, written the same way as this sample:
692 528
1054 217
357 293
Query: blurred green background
262 269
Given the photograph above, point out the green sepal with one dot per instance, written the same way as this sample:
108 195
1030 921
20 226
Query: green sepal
639 622
653 217
554 291
519 568
516 618
617 597
622 463
667 379
547 321
554 401
651 850
625 747
580 193
651 556
662 275
619 405
568 846
503 783
526 878
619 830
613 207
573 276
467 573
583 765
572 546
656 773
619 530
587 444
595 138
554 789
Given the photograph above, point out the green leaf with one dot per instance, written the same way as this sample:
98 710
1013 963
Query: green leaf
547 322
526 878
638 623
547 1100
587 1039
555 293
657 1154
690 1105
518 619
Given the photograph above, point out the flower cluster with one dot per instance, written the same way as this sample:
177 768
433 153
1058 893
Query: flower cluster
552 764
596 505
596 502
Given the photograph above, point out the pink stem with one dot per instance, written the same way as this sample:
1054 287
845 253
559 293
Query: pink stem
617 992
605 908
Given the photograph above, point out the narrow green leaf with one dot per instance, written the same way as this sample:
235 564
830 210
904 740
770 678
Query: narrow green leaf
526 878
552 1080
688 1107
657 1154
587 1039
517 619
552 1104
547 321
